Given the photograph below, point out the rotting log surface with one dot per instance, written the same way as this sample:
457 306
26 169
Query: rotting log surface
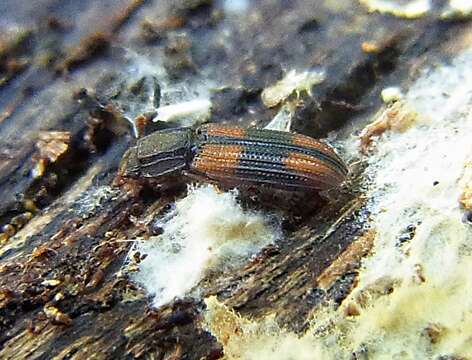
68 66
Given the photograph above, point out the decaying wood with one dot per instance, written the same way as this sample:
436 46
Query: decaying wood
66 225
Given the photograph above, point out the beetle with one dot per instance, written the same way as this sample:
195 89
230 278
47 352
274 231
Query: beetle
237 156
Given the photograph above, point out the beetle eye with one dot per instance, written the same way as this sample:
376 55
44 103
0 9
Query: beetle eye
201 134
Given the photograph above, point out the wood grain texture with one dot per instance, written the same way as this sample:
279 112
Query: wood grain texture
81 226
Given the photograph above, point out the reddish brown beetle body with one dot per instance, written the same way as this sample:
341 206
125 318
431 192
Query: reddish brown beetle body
231 154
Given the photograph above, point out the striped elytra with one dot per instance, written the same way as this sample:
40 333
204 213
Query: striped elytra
237 156
255 156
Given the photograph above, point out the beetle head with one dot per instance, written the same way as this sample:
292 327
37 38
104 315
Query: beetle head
129 165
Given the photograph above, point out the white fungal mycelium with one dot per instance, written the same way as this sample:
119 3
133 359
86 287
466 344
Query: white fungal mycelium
415 184
410 9
235 7
197 109
207 230
186 103
292 82
458 9
413 294
391 94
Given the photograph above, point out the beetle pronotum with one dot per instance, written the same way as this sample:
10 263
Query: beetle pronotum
237 156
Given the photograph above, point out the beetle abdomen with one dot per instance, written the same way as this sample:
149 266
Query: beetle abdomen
238 155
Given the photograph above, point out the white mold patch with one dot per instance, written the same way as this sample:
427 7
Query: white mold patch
410 9
458 9
186 103
207 230
415 185
391 94
197 109
413 298
247 340
292 82
237 7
